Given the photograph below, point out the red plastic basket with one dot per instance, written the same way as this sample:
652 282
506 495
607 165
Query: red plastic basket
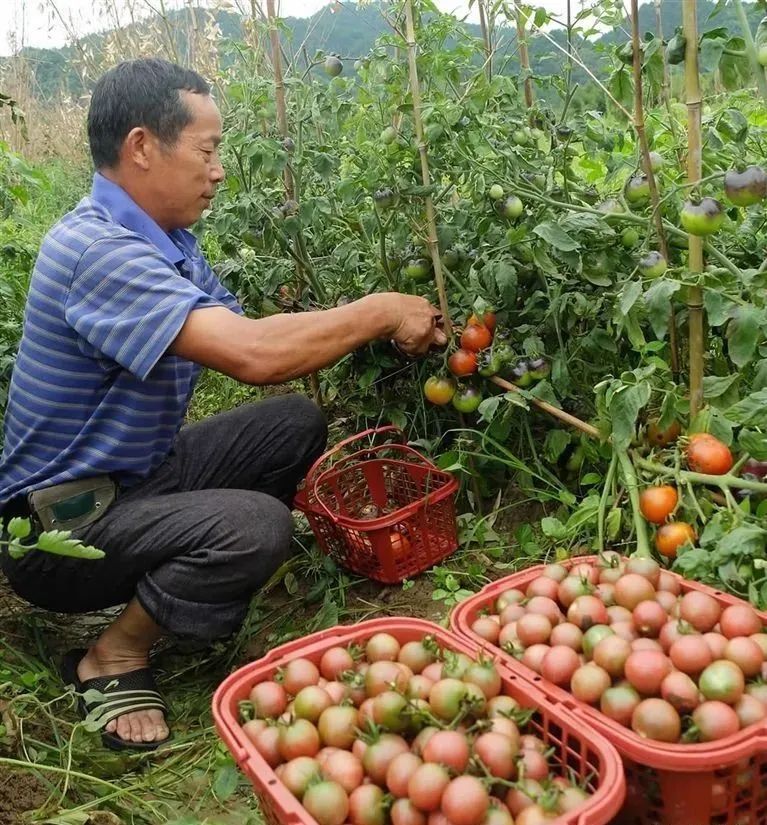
718 783
413 526
588 755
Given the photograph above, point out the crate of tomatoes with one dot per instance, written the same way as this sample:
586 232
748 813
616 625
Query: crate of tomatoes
399 722
379 508
671 672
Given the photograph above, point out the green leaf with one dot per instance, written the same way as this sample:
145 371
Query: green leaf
624 411
750 411
553 528
631 291
613 523
19 528
710 52
753 443
743 333
505 276
225 782
555 443
657 301
60 543
552 233
488 408
742 542
715 386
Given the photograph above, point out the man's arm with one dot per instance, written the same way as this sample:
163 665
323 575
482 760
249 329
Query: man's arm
280 348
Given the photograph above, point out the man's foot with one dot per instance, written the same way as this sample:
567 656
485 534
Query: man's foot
142 726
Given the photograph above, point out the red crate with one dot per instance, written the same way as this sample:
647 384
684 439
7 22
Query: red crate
417 526
717 783
585 753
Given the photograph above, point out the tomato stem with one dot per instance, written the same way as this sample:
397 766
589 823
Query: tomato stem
723 481
603 502
632 485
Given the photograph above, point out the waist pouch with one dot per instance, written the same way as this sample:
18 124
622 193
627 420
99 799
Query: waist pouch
73 504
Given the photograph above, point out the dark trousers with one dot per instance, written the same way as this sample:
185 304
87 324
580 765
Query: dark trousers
197 538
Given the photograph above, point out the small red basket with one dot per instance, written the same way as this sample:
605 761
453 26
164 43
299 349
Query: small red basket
718 783
581 753
409 504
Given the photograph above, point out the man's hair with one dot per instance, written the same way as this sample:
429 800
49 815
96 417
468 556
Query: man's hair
143 92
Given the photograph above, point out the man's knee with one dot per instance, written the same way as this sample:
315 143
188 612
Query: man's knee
264 529
306 420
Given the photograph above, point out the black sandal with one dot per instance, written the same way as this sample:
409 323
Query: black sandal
120 694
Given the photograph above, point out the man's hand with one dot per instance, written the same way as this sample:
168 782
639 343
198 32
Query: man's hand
417 324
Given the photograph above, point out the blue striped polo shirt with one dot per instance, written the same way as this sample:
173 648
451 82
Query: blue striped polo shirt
93 390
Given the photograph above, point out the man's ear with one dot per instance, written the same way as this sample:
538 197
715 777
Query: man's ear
136 147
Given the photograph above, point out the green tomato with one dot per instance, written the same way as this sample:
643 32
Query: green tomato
333 66
385 198
520 375
702 218
389 135
538 368
511 208
611 206
496 192
467 399
451 258
637 189
747 187
629 237
418 269
656 161
652 265
520 137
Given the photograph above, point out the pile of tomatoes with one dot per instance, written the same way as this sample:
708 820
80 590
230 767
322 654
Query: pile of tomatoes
407 734
619 635
482 353
704 454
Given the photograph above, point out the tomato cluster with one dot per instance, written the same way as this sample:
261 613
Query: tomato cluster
482 353
407 734
620 636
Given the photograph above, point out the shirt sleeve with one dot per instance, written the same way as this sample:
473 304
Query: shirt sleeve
209 282
129 302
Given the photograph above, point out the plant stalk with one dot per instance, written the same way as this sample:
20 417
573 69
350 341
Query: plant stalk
632 485
639 125
722 481
486 40
433 243
694 170
756 67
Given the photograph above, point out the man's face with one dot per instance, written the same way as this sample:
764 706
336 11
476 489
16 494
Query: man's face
183 178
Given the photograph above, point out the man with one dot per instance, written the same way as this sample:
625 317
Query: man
122 313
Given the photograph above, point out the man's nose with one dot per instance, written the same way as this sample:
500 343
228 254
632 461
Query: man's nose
217 173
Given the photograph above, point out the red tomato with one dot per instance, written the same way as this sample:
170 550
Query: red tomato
700 610
632 588
587 611
488 320
649 617
670 537
618 703
589 682
462 362
715 720
690 654
334 662
300 738
646 670
449 748
656 719
269 699
679 690
611 653
367 805
298 674
403 812
533 629
706 454
343 767
559 664
327 802
426 786
399 772
746 654
476 337
739 620
465 801
497 753
658 503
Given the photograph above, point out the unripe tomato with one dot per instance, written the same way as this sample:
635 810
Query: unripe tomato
702 218
658 503
670 537
439 390
467 399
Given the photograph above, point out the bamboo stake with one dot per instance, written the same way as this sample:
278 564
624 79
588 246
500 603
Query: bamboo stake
639 125
486 39
694 168
433 243
563 416
524 57
666 85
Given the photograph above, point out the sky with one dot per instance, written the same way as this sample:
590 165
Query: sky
35 22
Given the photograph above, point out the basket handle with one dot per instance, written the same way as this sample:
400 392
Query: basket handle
405 448
373 431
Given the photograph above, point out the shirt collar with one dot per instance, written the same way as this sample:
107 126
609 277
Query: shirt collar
129 214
